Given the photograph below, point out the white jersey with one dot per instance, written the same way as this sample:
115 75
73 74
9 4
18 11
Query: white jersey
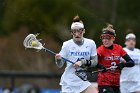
73 52
132 73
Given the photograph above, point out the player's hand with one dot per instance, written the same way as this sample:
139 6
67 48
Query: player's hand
57 56
104 69
77 64
113 68
121 66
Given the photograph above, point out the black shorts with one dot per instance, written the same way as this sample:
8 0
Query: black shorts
109 89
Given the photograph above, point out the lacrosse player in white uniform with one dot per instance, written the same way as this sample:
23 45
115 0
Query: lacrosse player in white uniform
82 51
130 77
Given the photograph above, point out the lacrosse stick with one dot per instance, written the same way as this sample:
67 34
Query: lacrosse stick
110 68
32 42
84 75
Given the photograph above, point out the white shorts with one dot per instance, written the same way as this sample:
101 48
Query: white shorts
74 89
129 86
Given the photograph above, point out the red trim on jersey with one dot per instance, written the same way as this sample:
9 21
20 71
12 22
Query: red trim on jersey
108 57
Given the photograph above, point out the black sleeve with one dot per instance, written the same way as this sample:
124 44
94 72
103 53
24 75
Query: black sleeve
129 62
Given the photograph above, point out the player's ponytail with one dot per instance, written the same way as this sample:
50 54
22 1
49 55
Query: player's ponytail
77 23
77 19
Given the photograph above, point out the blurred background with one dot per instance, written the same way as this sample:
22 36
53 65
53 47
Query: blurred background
52 19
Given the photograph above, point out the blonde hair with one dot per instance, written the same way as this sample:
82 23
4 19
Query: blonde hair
109 28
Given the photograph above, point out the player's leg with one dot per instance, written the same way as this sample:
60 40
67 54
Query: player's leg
116 89
90 89
105 89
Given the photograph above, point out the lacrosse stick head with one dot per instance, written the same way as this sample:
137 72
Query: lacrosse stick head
32 42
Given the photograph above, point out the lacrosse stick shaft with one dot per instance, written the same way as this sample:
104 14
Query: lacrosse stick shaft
97 71
102 70
51 52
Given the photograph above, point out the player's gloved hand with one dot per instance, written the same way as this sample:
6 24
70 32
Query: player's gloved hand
113 68
103 68
58 60
121 66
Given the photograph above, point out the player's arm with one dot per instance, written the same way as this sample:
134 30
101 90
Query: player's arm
87 63
90 63
58 57
59 61
93 58
129 62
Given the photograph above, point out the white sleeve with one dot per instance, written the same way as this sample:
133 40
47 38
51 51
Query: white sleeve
63 53
93 49
93 56
64 50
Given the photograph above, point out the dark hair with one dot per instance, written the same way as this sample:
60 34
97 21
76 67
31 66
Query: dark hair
77 19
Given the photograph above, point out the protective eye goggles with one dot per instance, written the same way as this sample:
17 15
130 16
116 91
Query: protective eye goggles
77 30
106 36
108 33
